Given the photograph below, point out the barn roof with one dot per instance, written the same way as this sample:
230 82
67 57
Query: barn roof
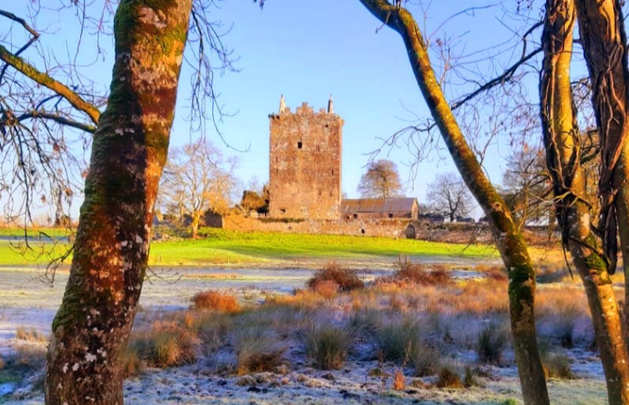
377 205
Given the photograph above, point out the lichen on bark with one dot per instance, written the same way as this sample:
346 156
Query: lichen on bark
111 249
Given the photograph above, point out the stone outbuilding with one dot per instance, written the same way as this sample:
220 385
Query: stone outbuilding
380 208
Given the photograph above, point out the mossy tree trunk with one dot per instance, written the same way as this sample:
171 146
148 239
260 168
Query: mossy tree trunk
111 249
602 31
563 152
509 240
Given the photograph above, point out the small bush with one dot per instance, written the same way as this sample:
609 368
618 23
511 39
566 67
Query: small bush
327 345
490 344
166 345
346 279
448 378
215 301
30 335
398 340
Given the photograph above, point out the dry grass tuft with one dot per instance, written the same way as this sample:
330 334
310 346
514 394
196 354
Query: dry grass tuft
558 366
448 378
256 347
490 344
261 362
346 279
30 335
327 289
166 344
327 344
418 274
398 339
130 362
399 381
216 301
425 360
469 380
26 360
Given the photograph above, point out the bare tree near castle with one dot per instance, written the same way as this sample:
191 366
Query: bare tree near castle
508 237
197 178
564 159
449 195
129 150
380 181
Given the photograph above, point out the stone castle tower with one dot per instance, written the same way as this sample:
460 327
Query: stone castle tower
305 163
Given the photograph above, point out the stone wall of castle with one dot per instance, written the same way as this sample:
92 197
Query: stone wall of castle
305 164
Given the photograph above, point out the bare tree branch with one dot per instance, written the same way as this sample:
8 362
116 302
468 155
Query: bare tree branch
45 80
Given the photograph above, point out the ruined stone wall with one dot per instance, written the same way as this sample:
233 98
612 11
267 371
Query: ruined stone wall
305 164
390 228
395 228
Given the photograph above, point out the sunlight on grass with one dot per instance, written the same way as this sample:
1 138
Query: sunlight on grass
222 247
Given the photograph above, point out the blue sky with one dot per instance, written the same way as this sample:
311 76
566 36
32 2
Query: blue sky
308 50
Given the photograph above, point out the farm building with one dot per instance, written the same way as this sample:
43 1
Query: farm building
376 208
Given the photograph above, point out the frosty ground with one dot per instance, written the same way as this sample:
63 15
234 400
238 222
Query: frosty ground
447 314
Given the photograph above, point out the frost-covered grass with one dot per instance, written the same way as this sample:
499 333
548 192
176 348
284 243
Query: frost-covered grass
397 329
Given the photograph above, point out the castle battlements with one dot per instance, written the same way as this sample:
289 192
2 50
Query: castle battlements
305 162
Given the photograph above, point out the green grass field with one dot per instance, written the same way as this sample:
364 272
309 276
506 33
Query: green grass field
222 247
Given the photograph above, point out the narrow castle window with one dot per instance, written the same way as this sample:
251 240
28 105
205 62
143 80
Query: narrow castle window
355 216
299 145
390 215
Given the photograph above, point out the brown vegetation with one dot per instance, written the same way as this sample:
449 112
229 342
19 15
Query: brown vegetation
346 279
215 301
419 274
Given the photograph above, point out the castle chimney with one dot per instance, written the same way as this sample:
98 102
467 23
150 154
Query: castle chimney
330 105
282 104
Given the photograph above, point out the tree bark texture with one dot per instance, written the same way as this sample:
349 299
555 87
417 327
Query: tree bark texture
111 250
509 240
601 27
563 152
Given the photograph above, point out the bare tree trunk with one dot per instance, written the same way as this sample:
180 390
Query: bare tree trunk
111 250
563 152
601 25
196 219
509 240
